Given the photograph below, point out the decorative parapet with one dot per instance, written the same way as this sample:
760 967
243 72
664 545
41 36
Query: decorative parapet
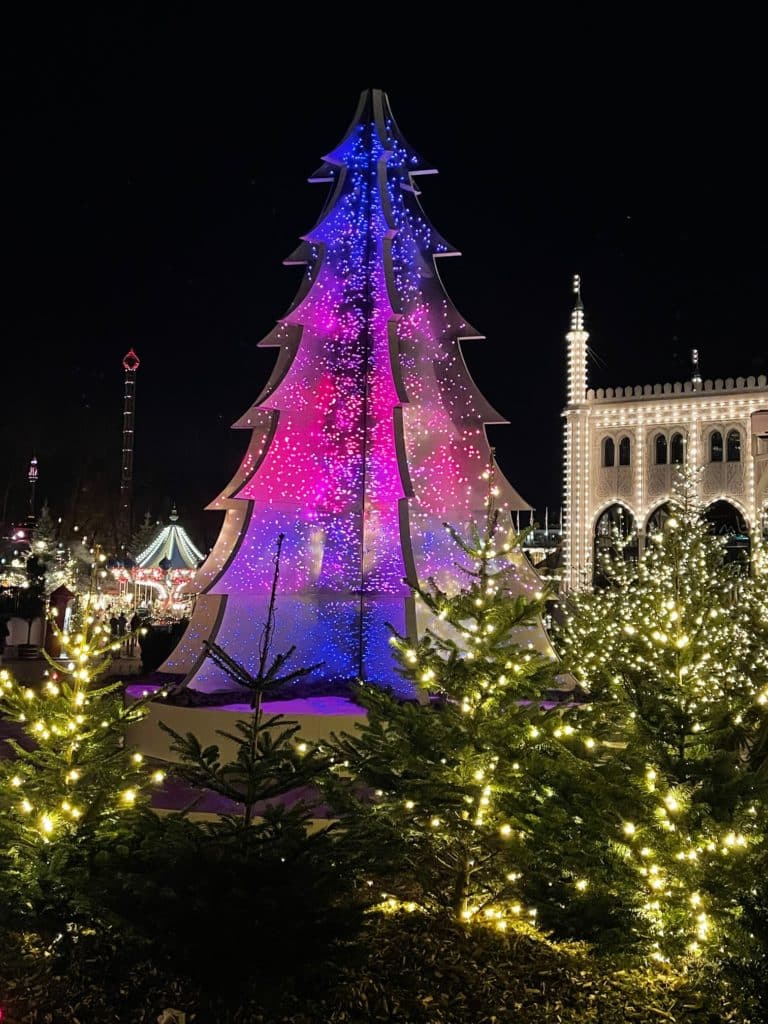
676 388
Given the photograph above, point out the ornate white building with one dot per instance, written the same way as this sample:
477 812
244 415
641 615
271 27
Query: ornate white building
623 447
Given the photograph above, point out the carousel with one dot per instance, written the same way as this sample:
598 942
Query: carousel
161 572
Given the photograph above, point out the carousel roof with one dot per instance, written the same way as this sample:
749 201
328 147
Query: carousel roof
170 548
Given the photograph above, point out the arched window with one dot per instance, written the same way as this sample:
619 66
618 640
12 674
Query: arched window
733 446
677 450
624 451
609 452
715 446
661 450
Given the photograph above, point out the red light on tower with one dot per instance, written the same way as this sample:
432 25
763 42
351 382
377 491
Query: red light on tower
131 361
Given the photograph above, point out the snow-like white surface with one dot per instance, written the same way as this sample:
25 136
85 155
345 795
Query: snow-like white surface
306 706
299 706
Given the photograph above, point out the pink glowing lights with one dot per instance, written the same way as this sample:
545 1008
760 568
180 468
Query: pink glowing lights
368 436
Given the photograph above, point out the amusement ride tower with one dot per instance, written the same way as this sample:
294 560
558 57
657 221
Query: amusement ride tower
131 364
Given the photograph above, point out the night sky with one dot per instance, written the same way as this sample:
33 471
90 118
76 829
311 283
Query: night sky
155 176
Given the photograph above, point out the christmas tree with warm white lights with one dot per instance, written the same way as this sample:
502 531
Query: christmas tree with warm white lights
68 784
437 798
368 436
482 801
674 653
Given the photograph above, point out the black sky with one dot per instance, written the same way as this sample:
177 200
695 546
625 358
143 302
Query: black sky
154 178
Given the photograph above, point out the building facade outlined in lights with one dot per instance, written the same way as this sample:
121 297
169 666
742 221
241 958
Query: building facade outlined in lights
624 447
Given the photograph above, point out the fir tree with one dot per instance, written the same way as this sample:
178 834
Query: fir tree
440 798
274 876
143 536
269 761
674 654
57 562
45 532
31 603
69 781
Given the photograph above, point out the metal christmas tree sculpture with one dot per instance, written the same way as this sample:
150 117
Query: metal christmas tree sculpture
368 437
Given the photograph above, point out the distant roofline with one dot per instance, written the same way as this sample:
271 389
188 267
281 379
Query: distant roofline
677 389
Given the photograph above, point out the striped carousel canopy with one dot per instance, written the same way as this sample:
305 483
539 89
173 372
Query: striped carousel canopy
170 548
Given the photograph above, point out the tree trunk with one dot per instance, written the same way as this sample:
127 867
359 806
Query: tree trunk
461 890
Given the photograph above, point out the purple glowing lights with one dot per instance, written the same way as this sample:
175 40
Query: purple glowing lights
368 436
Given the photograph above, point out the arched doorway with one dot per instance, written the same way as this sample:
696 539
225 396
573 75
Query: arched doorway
727 521
615 535
656 520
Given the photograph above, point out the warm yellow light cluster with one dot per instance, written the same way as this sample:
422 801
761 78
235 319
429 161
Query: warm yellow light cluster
671 649
475 833
60 719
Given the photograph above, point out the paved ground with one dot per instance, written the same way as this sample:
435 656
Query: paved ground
25 671
32 670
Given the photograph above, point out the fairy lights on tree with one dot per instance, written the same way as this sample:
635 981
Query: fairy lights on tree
633 818
71 776
674 652
369 434
452 780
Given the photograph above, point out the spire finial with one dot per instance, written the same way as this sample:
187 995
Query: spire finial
577 338
577 316
696 377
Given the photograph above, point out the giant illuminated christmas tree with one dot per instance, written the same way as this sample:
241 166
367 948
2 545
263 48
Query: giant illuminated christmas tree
369 435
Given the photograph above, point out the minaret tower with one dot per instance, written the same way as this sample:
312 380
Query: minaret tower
576 440
577 339
125 514
696 372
